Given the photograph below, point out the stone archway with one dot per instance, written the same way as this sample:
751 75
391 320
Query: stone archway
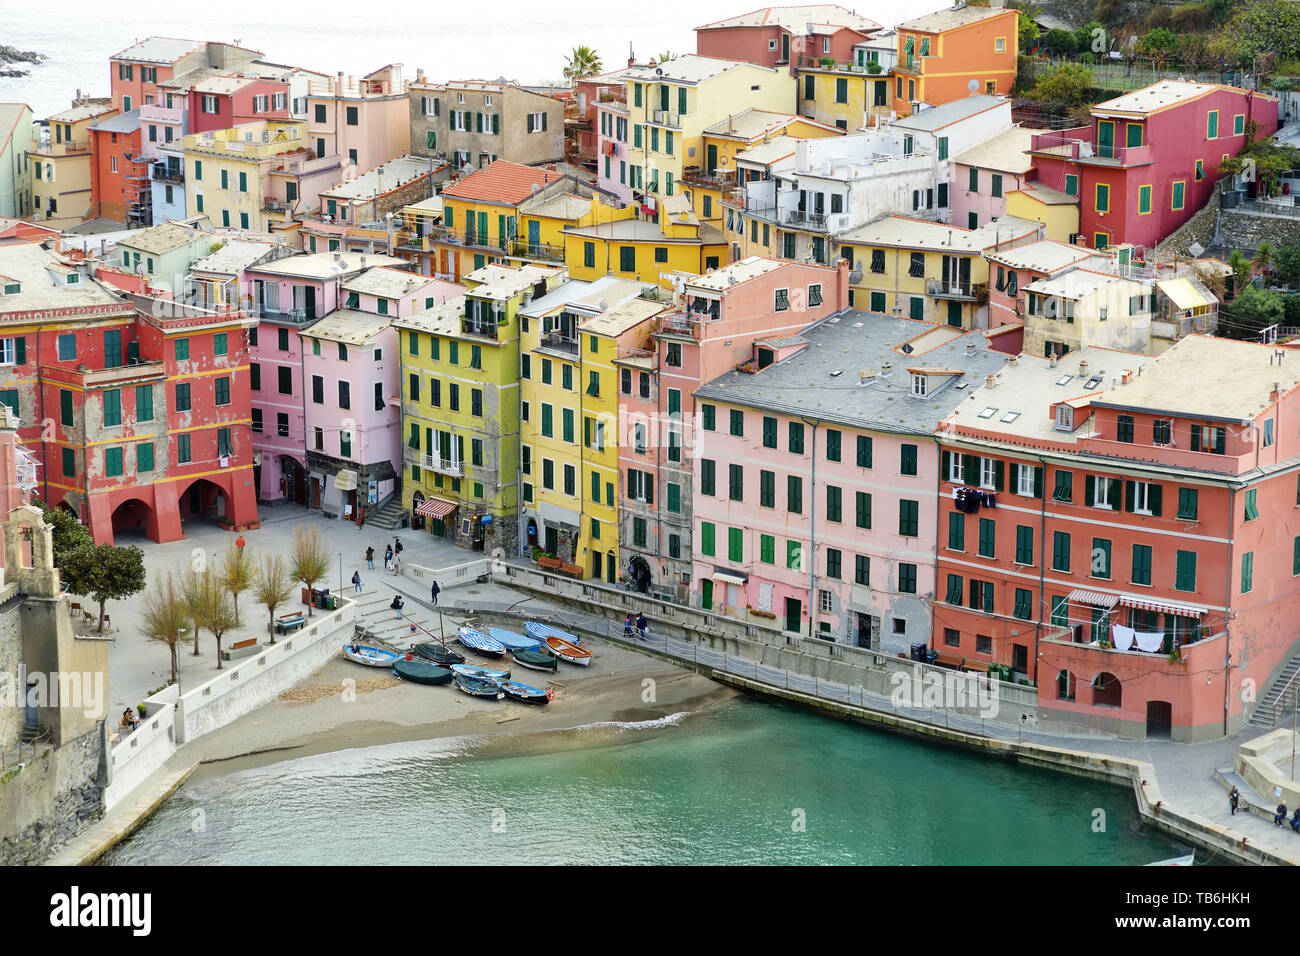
133 517
203 500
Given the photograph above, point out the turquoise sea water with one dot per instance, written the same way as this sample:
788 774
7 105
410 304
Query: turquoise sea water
748 782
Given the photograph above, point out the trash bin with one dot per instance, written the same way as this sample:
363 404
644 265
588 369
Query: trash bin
332 602
918 651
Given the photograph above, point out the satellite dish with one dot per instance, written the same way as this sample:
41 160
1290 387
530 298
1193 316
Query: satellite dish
1196 249
973 85
659 71
603 305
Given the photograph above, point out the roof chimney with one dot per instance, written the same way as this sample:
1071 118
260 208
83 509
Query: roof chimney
363 262
1052 360
990 380
1083 367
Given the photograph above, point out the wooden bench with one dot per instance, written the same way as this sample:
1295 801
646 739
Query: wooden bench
252 641
550 564
572 570
289 622
949 660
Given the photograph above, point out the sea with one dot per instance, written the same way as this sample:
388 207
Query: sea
746 782
514 39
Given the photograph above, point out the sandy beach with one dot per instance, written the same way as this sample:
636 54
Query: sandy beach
344 705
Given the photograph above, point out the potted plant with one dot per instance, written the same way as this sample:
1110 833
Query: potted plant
827 62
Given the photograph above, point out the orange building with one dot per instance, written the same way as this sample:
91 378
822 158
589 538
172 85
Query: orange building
941 54
119 172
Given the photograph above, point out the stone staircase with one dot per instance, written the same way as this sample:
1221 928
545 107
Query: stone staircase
1274 703
390 516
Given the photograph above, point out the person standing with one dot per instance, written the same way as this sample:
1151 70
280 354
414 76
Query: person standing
397 546
627 627
433 593
397 605
356 581
388 557
641 625
397 565
1234 799
370 558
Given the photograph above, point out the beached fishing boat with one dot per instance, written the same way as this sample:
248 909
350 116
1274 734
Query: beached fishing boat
480 673
542 631
420 671
370 656
477 688
440 654
513 641
1188 860
525 694
480 642
538 660
567 652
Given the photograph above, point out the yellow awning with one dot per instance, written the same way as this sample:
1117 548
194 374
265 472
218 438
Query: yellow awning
1183 294
346 480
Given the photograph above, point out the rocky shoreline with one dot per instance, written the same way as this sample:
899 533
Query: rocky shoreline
10 55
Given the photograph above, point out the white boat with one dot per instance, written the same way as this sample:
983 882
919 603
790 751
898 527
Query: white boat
1188 860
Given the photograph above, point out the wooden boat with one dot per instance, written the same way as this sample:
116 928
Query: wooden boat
420 671
480 642
1188 860
370 656
525 694
569 653
542 631
440 654
512 640
477 688
480 673
539 660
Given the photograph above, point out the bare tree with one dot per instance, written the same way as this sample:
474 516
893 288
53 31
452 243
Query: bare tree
236 574
310 558
273 586
191 589
165 616
216 610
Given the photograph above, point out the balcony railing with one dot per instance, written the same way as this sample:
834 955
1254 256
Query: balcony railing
718 179
956 289
666 118
162 173
536 250
559 342
65 148
467 237
444 466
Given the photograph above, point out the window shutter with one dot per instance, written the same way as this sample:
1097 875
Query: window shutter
543 122
1090 489
530 122
997 475
1038 483
1015 477
496 124
1153 499
1129 490
478 122
649 488
20 350
971 469
947 465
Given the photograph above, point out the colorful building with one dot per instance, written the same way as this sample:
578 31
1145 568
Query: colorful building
220 102
644 251
814 504
1011 270
1137 542
1149 159
234 174
472 124
941 54
61 166
363 122
461 408
844 95
368 197
982 177
119 171
164 254
785 36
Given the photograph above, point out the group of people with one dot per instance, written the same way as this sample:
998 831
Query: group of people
1280 817
129 720
640 624
392 557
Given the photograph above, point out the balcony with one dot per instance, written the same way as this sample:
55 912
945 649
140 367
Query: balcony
273 205
1084 151
666 118
465 237
162 173
540 251
289 316
452 467
476 327
135 371
954 289
718 179
70 148
559 342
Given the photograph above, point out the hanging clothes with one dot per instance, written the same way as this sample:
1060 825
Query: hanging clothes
1122 636
1150 641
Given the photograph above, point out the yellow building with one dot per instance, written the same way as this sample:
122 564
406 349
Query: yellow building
843 96
671 105
1038 203
227 173
569 433
461 411
928 270
61 167
706 185
646 251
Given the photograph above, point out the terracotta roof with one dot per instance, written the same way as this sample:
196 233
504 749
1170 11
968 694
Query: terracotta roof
501 182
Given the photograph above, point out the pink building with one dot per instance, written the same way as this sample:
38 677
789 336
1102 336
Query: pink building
220 102
363 122
777 36
288 295
613 169
722 315
584 131
982 177
1011 270
814 505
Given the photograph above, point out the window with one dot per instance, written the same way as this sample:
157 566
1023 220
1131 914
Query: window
1060 551
707 531
1100 558
1142 497
1185 571
782 303
736 482
1252 512
988 537
1178 193
863 510
908 518
1024 545
67 347
794 494
1144 200
908 463
65 407
834 510
183 449
796 438
907 581
1212 124
1141 564
1060 611
737 423
1102 202
112 407
956 531
1024 604
864 451
285 383
707 472
1187 503
1247 571
832 444
708 413
223 390
1101 492
1200 170
113 462
769 432
1064 489
345 394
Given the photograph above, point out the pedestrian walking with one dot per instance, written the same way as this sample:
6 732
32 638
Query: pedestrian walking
627 627
370 558
1234 799
641 624
433 593
397 605
397 547
356 580
397 565
388 557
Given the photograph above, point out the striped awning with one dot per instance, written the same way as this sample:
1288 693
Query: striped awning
436 508
1096 598
1163 607
729 577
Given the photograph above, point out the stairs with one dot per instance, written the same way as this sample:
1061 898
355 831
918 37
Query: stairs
1274 703
392 515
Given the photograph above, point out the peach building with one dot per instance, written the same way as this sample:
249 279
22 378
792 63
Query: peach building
364 122
942 54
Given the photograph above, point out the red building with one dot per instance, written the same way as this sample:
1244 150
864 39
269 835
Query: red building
786 36
220 102
136 409
1150 158
1114 527
119 171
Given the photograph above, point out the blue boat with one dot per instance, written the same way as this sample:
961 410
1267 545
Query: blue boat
479 673
542 631
370 656
512 640
478 641
525 694
477 688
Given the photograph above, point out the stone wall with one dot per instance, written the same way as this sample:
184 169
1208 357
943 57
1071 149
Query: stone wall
1200 228
52 799
1245 230
11 653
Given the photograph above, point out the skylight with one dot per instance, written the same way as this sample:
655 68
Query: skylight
1065 380
988 413
1092 382
1009 417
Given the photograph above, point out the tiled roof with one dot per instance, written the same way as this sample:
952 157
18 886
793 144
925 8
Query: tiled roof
951 19
158 50
501 182
797 19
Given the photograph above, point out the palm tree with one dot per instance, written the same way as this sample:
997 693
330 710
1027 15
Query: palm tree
582 62
1263 257
662 58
